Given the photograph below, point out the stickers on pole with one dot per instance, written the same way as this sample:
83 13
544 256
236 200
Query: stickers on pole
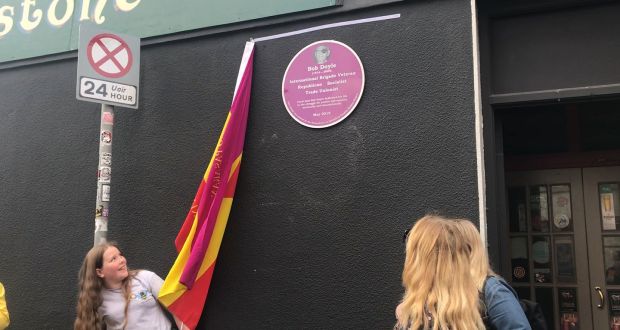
108 67
323 84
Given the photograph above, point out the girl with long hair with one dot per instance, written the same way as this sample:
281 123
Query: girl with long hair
113 297
446 267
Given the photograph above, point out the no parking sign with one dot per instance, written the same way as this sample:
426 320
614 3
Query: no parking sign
108 67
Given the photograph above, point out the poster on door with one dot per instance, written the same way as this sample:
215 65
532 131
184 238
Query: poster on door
607 211
569 319
541 256
560 197
614 308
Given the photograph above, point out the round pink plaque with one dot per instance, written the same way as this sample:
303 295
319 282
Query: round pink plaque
323 84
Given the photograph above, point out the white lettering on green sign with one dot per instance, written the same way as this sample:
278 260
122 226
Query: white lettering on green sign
32 28
31 16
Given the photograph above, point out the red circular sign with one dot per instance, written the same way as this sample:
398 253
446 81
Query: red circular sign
109 55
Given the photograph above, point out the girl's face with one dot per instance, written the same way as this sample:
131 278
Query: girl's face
114 268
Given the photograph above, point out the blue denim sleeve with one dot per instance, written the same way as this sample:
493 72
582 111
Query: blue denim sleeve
503 308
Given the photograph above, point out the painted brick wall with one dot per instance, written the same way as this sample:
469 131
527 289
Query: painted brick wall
315 235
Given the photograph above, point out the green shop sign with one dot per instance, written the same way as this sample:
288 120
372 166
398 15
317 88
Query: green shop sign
30 28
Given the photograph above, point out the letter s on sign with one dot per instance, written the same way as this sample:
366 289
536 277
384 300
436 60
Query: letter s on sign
125 5
5 20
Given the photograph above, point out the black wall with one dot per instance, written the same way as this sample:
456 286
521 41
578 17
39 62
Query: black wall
565 48
314 239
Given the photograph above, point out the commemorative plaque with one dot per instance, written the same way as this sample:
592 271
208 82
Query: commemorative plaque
323 84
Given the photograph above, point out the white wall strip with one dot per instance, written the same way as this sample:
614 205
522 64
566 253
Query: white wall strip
327 26
482 209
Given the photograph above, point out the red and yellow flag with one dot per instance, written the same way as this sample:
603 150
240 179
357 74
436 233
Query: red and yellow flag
185 289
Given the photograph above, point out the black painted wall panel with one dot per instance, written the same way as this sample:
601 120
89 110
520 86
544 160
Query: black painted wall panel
314 239
575 47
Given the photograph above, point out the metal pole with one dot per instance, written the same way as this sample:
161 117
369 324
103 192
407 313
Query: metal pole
104 174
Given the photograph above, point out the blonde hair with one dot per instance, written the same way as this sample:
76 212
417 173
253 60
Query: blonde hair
90 286
445 267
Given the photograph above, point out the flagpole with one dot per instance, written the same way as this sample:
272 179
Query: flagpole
104 174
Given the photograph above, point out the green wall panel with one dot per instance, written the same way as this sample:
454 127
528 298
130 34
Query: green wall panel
30 28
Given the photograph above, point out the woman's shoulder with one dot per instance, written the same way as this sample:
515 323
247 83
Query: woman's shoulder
497 285
493 280
503 306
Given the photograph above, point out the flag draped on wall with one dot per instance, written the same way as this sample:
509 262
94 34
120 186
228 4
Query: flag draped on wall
185 289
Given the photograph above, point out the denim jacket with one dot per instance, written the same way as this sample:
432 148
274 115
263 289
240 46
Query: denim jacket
502 305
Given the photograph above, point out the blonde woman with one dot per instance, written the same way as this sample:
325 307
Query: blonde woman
446 266
113 297
4 312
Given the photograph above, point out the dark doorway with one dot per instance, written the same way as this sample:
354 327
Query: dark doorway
564 135
562 194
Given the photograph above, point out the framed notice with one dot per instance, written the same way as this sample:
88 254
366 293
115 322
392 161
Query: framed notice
323 84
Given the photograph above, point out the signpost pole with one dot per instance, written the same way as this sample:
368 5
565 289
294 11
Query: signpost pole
104 174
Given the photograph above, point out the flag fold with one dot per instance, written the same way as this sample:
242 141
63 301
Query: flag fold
185 289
